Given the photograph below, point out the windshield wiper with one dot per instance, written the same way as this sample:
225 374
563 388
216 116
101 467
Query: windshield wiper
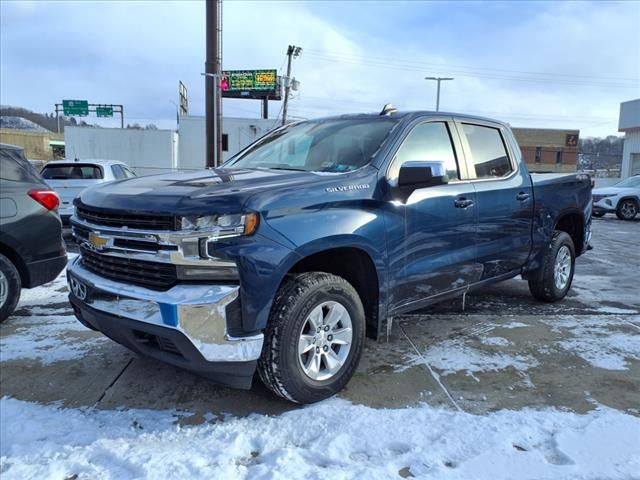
287 168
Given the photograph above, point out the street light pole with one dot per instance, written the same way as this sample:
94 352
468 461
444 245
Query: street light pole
216 91
438 79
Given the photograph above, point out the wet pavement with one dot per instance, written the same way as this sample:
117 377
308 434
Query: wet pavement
504 350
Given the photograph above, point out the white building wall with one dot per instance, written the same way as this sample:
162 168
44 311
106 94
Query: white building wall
629 123
631 154
241 132
146 151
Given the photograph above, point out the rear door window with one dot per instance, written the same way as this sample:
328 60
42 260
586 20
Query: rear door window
488 152
72 171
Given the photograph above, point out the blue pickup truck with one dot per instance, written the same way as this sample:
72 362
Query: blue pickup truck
316 236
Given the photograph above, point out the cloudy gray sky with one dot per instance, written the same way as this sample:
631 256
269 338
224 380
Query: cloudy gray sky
537 64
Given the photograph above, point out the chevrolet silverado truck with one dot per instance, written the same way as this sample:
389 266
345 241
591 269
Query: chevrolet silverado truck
284 259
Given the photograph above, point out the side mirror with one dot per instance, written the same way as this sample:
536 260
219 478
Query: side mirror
414 175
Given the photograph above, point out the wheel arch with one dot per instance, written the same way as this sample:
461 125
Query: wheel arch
15 258
630 197
572 223
356 265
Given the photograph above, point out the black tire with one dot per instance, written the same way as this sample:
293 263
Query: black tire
598 214
13 285
543 286
627 209
279 366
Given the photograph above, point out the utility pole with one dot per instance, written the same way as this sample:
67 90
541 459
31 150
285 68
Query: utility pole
438 79
292 52
213 67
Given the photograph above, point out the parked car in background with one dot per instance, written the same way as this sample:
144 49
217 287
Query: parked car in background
623 199
31 248
70 177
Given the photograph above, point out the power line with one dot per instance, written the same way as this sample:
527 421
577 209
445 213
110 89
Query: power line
439 69
467 67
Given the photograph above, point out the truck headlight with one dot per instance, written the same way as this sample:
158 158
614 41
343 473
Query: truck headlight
221 226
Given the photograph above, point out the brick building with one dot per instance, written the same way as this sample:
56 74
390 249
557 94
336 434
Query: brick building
548 150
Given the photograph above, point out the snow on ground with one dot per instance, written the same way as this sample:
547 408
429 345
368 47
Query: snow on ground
49 339
333 439
593 340
47 334
450 356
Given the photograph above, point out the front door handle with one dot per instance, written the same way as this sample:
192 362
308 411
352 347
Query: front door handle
522 196
462 202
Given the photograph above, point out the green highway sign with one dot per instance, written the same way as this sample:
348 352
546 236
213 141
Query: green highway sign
75 107
104 111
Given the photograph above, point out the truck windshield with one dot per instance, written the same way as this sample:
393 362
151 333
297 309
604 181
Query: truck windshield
337 145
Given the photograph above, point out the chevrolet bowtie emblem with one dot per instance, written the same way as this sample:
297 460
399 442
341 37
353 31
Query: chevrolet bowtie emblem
98 242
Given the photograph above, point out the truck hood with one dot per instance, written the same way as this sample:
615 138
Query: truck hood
195 193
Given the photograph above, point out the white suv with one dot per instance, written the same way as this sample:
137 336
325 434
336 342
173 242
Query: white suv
70 177
623 199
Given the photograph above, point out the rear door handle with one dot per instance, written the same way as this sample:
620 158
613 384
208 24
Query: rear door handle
462 202
522 196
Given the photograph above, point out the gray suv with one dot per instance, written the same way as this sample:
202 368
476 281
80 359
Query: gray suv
32 251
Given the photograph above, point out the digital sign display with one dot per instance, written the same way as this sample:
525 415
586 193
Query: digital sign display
251 84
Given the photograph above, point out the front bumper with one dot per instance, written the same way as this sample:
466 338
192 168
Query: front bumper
185 325
605 205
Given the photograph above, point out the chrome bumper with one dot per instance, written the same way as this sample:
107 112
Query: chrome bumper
198 312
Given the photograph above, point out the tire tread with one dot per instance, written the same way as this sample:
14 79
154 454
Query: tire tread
288 294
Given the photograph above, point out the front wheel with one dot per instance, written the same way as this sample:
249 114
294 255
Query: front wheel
627 209
553 281
314 338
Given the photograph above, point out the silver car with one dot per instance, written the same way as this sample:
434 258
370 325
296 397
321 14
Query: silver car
70 177
623 199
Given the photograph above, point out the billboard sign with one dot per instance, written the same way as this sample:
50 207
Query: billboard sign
184 101
251 84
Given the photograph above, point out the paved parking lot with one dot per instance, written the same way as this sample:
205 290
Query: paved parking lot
505 350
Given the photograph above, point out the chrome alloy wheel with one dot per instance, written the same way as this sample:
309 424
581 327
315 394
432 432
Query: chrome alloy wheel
628 209
325 340
562 267
4 289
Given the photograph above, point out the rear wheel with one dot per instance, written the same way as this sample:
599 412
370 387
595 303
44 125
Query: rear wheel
553 281
10 285
314 338
627 209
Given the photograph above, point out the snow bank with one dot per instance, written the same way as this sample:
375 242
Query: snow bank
334 439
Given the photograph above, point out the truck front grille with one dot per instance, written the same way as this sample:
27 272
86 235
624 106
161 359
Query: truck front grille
129 220
154 275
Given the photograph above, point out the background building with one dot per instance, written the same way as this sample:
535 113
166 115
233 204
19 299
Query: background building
159 151
548 150
37 145
629 123
237 133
